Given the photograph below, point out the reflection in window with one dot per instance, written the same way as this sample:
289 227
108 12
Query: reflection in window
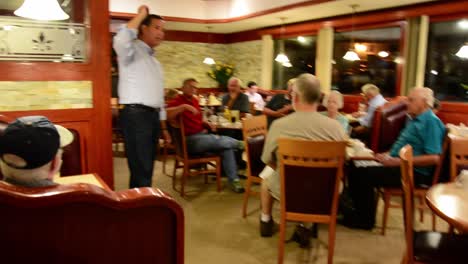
379 53
301 53
446 73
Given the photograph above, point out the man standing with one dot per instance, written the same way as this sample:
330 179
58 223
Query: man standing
141 92
425 133
306 123
199 141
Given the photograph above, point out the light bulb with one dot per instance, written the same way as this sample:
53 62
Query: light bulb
41 10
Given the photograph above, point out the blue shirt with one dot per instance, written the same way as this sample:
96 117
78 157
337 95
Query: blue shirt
140 73
341 119
375 102
425 133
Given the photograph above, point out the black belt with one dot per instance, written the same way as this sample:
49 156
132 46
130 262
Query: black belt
142 107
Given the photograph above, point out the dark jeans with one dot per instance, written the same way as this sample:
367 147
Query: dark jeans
362 182
141 130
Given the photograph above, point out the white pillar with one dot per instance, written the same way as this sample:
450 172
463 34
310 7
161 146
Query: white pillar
324 57
267 62
422 50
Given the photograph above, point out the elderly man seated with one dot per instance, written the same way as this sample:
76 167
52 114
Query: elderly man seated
235 99
279 105
306 123
30 151
425 133
374 100
199 140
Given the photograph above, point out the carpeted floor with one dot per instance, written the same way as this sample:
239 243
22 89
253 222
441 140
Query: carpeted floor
216 232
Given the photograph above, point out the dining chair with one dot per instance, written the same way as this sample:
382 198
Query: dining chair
192 165
310 175
425 246
458 156
419 192
254 131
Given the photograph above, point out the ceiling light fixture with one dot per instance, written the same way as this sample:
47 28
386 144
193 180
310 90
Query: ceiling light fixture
351 55
208 60
463 51
383 54
41 10
281 57
360 47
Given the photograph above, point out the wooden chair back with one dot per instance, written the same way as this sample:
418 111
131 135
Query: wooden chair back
82 223
407 184
310 173
254 130
458 156
177 131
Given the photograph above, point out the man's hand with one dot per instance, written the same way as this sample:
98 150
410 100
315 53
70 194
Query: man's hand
190 108
143 10
212 127
387 160
357 114
166 136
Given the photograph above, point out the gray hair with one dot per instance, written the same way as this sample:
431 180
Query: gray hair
427 94
235 79
339 95
308 88
370 88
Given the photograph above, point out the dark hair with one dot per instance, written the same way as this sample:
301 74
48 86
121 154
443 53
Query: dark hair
186 81
250 84
148 19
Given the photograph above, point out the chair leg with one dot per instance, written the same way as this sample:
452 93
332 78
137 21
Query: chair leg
174 178
331 240
282 237
433 222
386 200
164 158
184 179
421 209
218 175
246 196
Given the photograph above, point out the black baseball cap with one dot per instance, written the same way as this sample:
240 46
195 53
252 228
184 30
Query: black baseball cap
32 141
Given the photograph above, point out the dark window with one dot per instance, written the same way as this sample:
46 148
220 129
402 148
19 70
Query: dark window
301 54
446 73
379 53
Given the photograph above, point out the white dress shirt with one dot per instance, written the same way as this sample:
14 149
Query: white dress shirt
140 73
375 102
257 99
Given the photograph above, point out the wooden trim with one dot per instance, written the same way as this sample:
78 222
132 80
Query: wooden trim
56 116
448 17
399 66
190 36
128 16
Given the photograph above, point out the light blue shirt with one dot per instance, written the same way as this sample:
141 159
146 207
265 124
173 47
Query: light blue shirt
140 73
375 102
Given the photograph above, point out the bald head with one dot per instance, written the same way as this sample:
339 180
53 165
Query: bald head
307 87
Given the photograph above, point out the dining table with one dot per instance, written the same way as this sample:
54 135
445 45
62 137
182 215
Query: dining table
449 201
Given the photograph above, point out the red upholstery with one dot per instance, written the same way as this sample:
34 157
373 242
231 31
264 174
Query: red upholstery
82 223
388 121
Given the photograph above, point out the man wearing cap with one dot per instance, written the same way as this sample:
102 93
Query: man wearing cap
30 151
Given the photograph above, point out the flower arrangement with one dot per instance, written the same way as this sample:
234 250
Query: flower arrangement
221 73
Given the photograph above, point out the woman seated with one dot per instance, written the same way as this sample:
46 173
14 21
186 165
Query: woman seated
334 102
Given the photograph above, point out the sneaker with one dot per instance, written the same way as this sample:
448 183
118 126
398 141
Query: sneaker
236 186
267 228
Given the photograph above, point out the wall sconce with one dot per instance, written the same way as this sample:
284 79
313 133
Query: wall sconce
41 10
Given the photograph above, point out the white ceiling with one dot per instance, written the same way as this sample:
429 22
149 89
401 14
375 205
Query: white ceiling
218 9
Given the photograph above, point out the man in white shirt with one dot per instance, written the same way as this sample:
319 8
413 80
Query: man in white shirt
141 93
255 97
374 100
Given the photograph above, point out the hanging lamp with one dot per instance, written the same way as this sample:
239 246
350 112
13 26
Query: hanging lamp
41 10
351 55
463 51
281 57
208 60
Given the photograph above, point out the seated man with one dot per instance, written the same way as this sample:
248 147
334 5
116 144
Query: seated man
235 99
374 100
425 133
306 123
199 141
255 97
279 105
31 151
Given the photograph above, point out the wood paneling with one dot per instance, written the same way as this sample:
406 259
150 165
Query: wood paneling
94 124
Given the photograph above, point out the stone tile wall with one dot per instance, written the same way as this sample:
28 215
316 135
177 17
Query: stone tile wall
17 96
181 60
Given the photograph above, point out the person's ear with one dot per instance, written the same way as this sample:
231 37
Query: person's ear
55 165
